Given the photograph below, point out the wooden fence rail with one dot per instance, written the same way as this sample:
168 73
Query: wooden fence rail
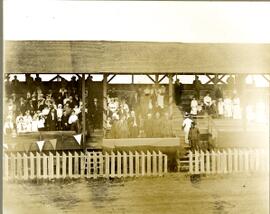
83 165
228 161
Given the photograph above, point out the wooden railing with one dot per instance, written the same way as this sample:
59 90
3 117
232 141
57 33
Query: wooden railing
228 161
83 165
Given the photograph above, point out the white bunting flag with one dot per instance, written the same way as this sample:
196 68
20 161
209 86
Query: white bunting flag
53 142
40 144
5 146
78 138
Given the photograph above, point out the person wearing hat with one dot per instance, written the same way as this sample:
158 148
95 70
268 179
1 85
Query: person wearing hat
186 126
194 137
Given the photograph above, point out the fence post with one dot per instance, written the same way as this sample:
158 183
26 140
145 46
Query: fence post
125 163
51 167
6 164
154 163
12 164
64 165
119 164
202 162
143 163
229 151
101 164
207 162
38 165
235 160
32 166
89 160
107 165
76 165
213 162
246 152
57 165
148 163
25 167
82 164
218 162
45 165
137 164
112 164
197 156
19 165
160 163
130 164
190 155
70 165
94 165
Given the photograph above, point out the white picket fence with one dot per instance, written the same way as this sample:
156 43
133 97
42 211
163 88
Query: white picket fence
228 161
83 165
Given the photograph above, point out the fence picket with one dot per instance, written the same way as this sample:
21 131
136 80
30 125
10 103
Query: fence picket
19 165
130 164
82 164
25 167
143 163
88 166
64 165
218 162
190 155
235 160
202 162
76 165
213 162
70 173
38 164
94 165
101 164
57 165
197 156
137 164
154 163
207 162
165 164
160 164
45 168
125 164
119 164
246 155
148 163
32 166
112 164
230 163
51 166
13 166
107 165
241 161
224 160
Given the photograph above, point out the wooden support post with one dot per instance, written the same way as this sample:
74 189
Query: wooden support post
82 164
38 164
105 77
148 163
119 164
170 94
125 164
57 165
130 164
83 144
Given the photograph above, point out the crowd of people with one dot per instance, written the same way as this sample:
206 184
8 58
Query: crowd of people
143 114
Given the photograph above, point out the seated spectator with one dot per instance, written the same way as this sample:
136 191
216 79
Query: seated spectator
51 120
41 121
207 101
65 118
20 123
8 125
28 121
59 113
220 107
194 106
133 126
73 121
35 121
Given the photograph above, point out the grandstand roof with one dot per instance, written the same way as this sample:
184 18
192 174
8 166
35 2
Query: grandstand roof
134 57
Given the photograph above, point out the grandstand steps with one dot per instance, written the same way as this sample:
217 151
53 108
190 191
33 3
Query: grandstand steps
94 142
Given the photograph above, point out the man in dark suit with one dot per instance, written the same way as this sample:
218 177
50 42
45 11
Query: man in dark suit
52 120
96 114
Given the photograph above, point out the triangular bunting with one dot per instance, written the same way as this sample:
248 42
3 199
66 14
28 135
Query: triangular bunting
78 138
53 142
40 144
27 146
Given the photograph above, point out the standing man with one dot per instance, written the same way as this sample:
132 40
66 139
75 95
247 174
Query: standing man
194 137
186 126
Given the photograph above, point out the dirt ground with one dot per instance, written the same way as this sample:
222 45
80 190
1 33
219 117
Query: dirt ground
173 193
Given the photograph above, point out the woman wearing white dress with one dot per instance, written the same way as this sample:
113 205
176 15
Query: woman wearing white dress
28 121
220 107
194 106
227 107
35 123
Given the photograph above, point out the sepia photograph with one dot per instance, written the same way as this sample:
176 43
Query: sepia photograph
135 107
